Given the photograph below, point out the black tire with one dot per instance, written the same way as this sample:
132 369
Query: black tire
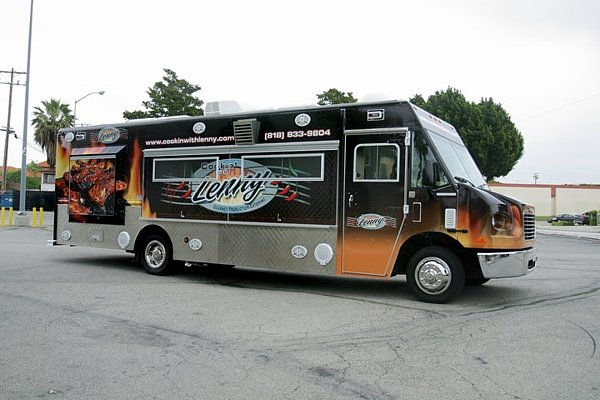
441 271
476 281
156 255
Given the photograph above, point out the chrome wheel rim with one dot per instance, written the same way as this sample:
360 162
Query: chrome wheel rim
155 254
433 275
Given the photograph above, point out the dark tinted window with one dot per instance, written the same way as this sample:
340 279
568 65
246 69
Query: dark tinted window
376 162
426 171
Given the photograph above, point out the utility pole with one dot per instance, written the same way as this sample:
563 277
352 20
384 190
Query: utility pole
536 176
23 190
12 73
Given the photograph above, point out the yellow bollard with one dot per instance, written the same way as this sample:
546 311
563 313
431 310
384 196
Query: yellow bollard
2 217
10 216
41 217
34 217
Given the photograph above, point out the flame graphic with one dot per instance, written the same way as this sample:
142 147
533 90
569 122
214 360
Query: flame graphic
63 151
133 194
147 211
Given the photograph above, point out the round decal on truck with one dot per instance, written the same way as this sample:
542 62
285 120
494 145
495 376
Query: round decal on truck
199 127
302 119
108 135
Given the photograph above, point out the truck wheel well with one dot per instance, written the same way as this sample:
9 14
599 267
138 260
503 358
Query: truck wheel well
150 230
425 239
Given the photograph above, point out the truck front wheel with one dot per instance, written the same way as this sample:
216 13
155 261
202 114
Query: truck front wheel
435 274
155 255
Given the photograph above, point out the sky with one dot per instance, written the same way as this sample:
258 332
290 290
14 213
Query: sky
539 58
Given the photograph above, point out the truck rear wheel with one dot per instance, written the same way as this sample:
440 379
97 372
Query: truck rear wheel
435 274
156 256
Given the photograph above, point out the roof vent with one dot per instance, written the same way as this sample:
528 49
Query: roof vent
246 131
221 107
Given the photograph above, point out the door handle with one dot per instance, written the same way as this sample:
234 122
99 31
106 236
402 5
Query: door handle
350 200
417 205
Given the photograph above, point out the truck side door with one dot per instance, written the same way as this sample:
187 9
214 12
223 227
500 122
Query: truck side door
373 203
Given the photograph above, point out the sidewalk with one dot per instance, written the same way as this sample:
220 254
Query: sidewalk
583 231
27 220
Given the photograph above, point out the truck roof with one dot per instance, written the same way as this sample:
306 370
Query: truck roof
165 120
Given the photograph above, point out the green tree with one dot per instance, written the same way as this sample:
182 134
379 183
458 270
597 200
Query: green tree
169 97
486 128
13 177
47 120
334 96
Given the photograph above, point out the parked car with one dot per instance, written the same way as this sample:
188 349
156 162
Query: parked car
585 218
576 219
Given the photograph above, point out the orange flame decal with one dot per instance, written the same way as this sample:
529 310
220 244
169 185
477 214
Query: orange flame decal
63 151
133 195
518 223
147 211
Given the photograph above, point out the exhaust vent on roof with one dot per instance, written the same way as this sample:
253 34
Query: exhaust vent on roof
246 131
221 107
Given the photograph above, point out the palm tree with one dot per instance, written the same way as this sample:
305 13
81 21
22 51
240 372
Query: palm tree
47 120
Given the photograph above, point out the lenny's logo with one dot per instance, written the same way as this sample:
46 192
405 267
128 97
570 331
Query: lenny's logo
108 135
208 192
228 187
227 191
371 221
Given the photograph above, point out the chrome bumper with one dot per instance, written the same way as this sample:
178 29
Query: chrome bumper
507 264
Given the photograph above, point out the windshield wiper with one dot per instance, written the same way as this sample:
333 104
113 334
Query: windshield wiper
464 180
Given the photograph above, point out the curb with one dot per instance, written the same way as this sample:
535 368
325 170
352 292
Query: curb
572 235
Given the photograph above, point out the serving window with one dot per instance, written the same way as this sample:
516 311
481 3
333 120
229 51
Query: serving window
292 167
185 169
376 162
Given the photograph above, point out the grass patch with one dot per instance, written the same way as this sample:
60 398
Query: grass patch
542 217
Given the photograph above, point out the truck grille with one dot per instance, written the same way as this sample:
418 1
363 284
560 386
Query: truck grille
529 226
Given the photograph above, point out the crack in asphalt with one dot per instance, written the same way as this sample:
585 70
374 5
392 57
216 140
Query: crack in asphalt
571 296
473 386
336 382
589 334
358 299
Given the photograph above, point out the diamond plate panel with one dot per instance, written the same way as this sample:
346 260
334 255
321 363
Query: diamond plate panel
98 235
179 231
249 245
271 247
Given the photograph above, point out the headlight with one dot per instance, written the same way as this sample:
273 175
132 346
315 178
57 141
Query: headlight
502 223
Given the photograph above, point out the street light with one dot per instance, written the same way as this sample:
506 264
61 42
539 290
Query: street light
101 92
23 187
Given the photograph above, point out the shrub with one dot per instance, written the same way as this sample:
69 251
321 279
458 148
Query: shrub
594 217
563 223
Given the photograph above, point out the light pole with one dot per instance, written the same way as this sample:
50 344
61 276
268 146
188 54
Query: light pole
23 189
101 92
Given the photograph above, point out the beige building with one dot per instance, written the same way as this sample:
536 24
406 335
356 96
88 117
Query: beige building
553 199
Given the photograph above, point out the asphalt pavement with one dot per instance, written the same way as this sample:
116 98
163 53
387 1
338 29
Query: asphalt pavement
79 323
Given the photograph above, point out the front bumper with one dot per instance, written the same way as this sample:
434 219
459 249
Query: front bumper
507 264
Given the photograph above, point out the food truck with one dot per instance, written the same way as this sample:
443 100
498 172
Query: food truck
372 189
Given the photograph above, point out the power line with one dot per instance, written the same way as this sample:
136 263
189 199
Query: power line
560 107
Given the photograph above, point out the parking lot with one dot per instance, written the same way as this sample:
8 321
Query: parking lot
80 323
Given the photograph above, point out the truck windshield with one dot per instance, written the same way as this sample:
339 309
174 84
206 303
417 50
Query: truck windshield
458 160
